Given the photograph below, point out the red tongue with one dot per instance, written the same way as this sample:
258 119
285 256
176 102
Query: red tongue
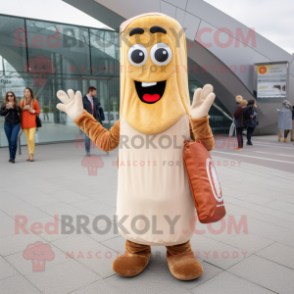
151 98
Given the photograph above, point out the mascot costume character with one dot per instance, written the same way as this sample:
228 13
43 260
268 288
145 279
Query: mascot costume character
153 198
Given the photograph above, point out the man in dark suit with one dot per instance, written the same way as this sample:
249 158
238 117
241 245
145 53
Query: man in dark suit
92 105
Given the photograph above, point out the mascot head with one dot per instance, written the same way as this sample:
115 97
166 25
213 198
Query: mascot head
154 79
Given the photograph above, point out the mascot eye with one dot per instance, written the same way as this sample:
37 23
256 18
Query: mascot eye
161 54
137 55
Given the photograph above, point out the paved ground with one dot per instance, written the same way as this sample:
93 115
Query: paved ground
267 152
258 191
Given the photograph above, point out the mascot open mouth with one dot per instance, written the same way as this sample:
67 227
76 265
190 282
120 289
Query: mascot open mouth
150 92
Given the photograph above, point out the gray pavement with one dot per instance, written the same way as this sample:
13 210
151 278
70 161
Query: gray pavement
256 257
266 151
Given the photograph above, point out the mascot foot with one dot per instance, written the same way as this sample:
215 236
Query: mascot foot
133 261
182 263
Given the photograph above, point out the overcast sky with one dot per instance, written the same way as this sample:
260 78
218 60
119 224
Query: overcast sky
54 10
273 19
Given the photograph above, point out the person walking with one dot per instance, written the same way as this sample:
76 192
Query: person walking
92 105
239 98
11 111
240 123
252 121
285 120
30 108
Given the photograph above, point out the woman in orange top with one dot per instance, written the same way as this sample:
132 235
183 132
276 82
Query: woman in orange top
30 108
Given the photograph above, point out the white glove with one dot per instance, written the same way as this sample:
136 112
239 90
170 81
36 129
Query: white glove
202 101
72 104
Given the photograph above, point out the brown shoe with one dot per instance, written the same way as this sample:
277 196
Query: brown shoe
181 262
279 137
286 141
133 261
31 158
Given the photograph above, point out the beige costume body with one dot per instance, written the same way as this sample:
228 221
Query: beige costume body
152 184
150 191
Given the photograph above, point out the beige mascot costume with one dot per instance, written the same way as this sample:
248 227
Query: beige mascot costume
154 199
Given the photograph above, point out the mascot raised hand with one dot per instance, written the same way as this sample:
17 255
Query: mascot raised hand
154 201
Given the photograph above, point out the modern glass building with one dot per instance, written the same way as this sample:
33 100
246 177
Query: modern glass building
48 57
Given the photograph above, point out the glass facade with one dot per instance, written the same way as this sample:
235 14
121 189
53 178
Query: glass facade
48 57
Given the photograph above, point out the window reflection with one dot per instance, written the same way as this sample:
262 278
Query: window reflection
47 57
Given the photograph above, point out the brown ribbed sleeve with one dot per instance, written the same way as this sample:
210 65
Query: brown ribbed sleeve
201 130
103 139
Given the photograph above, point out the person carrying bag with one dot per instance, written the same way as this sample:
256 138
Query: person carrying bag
30 110
11 112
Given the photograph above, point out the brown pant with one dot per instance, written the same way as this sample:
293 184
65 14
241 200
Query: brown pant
135 248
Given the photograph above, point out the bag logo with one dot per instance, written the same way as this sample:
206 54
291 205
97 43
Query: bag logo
214 181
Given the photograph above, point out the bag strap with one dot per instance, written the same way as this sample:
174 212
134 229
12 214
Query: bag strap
206 137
